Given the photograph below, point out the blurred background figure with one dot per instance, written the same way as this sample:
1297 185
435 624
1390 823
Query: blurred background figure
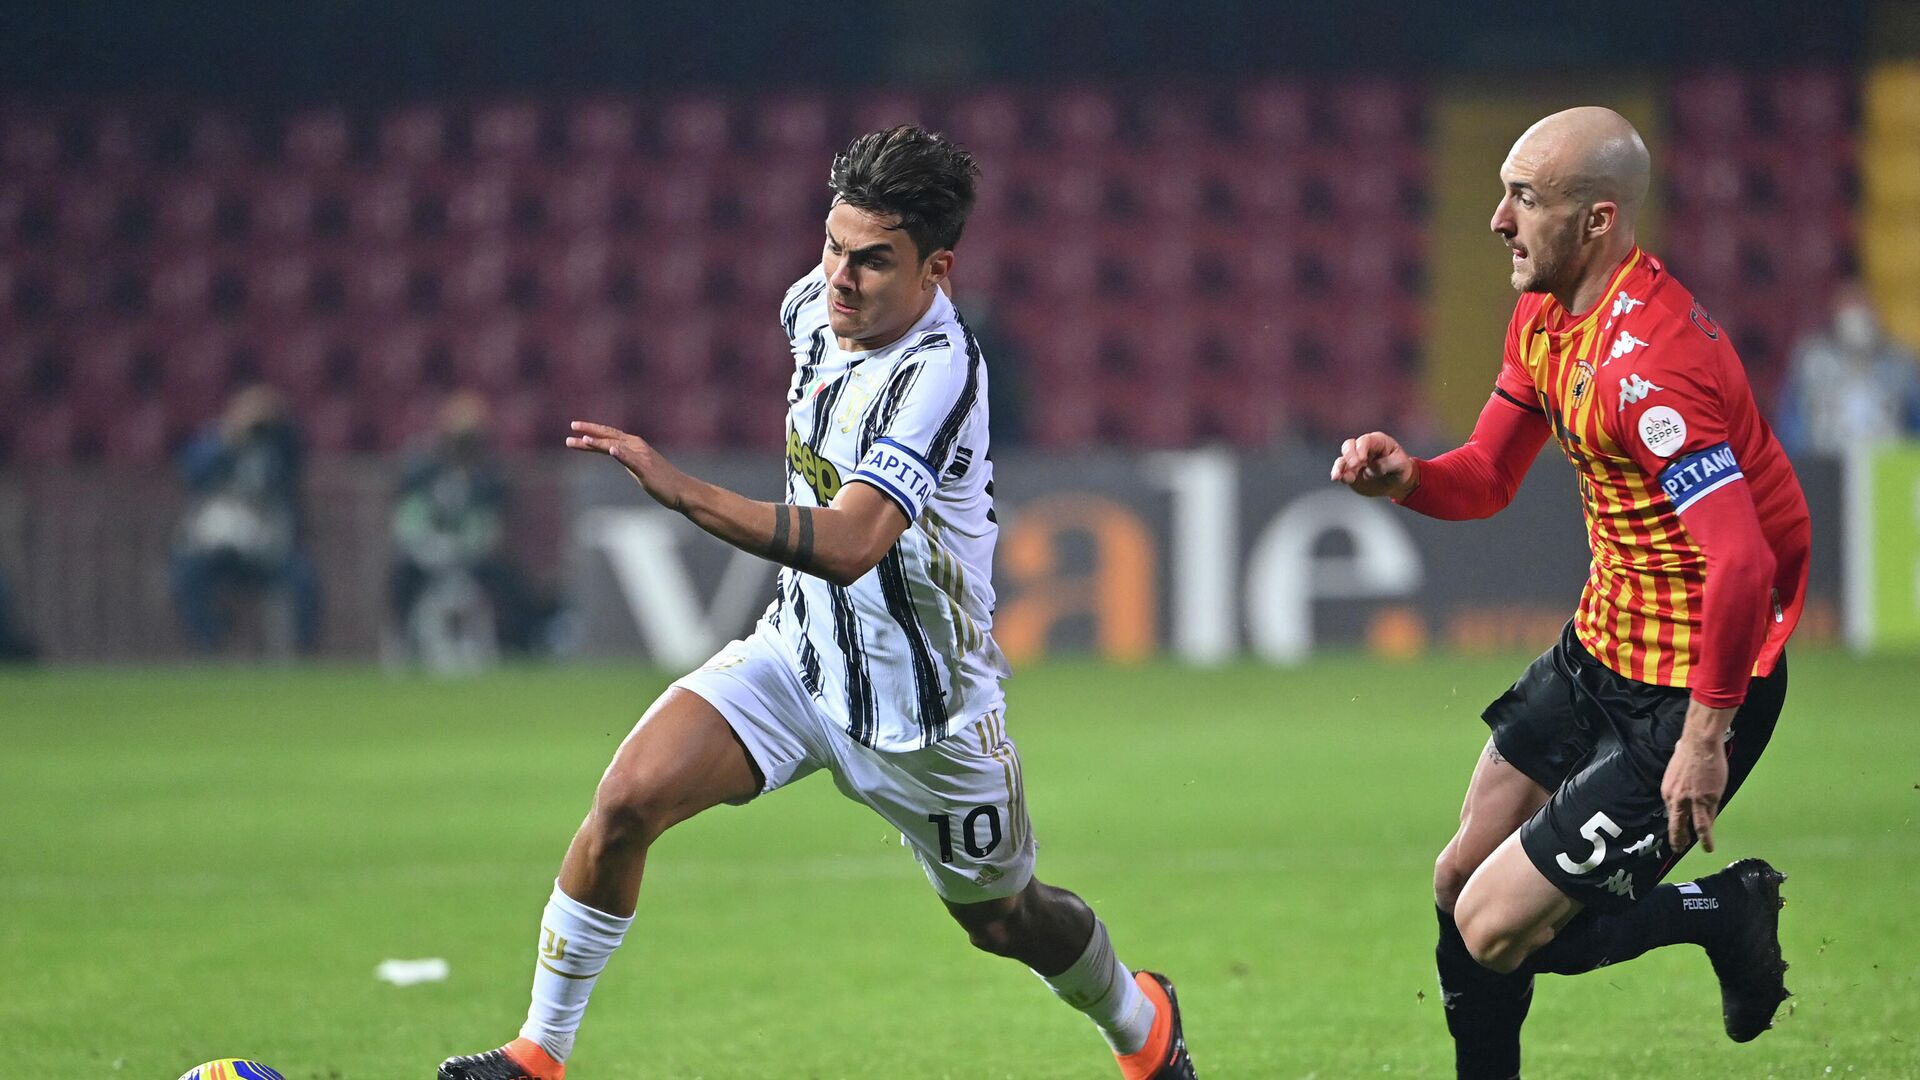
1851 385
458 597
240 539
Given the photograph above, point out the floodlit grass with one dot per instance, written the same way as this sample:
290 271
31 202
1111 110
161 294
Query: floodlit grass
211 863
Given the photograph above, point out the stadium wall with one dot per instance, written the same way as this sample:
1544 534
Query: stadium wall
1202 554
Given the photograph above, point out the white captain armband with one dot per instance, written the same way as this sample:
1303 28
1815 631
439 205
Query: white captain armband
1697 475
901 473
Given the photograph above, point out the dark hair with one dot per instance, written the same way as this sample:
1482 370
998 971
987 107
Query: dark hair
913 173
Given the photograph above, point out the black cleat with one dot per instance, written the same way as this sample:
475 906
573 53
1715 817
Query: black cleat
520 1059
1178 1064
1747 958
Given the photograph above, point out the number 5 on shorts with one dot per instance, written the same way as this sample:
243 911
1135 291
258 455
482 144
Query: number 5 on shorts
1597 824
969 832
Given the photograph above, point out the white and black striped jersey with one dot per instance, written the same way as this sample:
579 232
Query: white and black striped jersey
905 654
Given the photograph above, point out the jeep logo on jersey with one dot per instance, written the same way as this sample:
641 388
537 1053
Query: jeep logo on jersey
815 471
1634 388
1625 344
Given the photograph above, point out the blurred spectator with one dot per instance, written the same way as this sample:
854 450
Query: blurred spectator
1850 385
242 530
15 646
457 596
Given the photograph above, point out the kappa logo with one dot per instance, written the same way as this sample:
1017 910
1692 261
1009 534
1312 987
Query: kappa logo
1624 303
1625 344
1634 388
1651 845
1620 884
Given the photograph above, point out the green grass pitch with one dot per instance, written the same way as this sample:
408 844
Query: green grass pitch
211 863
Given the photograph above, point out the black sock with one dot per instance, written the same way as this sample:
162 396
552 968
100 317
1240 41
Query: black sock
1484 1008
1668 915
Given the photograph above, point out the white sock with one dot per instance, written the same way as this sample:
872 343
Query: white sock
1100 986
575 943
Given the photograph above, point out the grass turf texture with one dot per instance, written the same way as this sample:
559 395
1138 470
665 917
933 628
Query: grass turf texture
202 864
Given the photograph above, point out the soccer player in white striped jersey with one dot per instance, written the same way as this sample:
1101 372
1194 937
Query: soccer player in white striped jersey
876 659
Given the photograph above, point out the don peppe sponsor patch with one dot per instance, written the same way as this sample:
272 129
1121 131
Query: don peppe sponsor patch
1691 478
1663 430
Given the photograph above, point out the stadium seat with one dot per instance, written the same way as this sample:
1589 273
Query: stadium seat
1275 116
1081 119
1710 107
187 208
580 198
280 205
139 433
881 110
798 125
413 136
1812 105
46 434
304 360
488 354
479 202
990 123
319 139
599 130
29 143
216 140
696 128
507 131
1371 113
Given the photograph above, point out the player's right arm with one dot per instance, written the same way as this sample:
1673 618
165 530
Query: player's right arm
839 542
1475 480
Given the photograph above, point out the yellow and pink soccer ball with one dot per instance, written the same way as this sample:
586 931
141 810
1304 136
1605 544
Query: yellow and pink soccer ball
232 1069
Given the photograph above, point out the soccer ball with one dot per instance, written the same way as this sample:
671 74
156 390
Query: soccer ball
232 1069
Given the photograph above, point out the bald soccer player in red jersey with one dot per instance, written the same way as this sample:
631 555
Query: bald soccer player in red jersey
1616 749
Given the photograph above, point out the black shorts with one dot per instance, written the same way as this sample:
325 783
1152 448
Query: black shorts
1600 743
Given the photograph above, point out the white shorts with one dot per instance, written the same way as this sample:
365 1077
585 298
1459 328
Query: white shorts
959 803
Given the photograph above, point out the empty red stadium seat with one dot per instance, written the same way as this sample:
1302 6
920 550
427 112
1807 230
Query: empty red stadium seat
988 122
413 136
1276 114
318 139
600 129
508 130
1081 119
696 127
44 434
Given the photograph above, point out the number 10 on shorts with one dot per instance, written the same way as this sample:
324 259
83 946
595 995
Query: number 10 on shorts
970 830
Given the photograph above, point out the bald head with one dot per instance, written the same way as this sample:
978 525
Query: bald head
1590 154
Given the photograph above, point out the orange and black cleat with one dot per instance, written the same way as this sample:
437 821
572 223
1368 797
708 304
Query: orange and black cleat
521 1059
1165 1055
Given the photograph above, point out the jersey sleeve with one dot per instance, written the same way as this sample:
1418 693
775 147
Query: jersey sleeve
1670 416
1513 385
923 408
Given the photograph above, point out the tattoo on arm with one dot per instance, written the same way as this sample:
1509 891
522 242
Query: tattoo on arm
780 529
803 547
1494 755
792 543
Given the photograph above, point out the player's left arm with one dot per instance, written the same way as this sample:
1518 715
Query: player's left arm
1678 435
839 542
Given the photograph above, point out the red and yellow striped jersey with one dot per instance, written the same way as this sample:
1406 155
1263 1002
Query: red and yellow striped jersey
1651 404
